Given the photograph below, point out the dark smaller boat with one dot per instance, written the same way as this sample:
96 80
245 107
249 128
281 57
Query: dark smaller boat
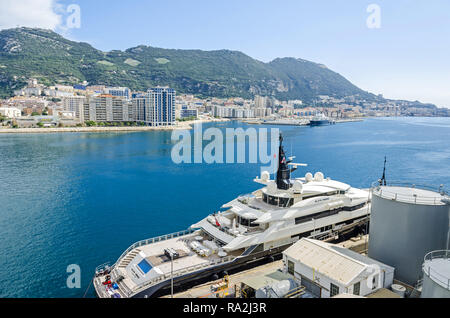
319 120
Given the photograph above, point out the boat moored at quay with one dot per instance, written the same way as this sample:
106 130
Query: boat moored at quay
320 120
251 229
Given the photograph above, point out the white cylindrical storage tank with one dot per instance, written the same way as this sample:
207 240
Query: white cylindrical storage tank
436 275
406 223
399 290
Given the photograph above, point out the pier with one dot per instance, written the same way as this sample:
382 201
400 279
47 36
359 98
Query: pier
296 122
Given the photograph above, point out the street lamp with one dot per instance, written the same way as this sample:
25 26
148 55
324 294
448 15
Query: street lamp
171 273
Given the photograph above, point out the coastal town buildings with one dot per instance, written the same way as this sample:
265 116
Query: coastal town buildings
118 92
10 112
161 106
75 104
107 108
186 112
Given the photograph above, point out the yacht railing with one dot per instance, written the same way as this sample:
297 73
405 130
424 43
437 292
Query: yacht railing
152 241
442 279
183 271
441 196
101 267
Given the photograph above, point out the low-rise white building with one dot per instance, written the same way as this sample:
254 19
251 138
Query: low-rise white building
327 270
10 112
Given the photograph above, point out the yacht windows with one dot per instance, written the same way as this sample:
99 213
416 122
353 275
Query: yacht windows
321 195
315 216
286 202
272 200
277 201
246 222
353 208
324 214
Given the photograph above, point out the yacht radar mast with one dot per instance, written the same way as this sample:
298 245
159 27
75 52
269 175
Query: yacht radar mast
383 178
285 168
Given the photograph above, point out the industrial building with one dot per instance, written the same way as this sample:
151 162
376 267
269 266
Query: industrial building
406 223
327 270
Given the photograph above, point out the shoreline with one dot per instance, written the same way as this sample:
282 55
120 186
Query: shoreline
186 125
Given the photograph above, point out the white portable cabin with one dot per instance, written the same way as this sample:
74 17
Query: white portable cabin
327 270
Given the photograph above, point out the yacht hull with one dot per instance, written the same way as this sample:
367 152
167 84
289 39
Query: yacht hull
319 122
182 283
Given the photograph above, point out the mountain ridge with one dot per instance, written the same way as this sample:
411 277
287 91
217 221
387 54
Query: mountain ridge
52 59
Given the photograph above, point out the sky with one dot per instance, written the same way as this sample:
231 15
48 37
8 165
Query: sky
398 48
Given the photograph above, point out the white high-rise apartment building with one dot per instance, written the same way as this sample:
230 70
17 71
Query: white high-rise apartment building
261 101
107 108
156 107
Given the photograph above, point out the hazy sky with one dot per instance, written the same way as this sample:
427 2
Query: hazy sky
408 57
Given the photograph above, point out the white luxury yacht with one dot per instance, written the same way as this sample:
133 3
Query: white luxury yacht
249 230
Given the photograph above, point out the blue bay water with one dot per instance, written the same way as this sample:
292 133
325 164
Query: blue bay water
83 198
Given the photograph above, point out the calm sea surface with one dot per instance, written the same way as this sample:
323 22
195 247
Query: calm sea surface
83 198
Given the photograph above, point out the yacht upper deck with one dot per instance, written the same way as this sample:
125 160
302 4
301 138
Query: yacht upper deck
195 251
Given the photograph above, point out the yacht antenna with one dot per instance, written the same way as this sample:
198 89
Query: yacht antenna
383 179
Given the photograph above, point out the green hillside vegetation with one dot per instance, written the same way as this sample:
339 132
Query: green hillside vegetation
50 58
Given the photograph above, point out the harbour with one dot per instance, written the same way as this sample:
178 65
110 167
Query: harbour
297 122
146 155
216 289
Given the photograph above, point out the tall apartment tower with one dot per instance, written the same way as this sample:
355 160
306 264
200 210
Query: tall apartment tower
156 107
261 101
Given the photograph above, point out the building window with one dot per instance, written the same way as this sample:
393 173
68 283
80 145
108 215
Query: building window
374 282
291 267
357 288
334 290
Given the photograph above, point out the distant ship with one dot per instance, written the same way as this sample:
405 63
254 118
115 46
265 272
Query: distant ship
320 120
251 228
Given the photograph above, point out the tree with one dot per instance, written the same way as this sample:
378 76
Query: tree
40 125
